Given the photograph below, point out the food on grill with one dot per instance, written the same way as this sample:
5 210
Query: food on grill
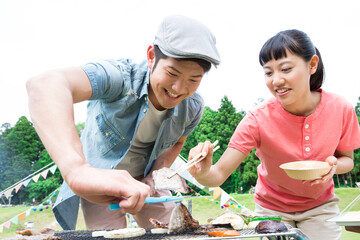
175 183
270 226
236 221
181 220
32 232
98 233
157 223
159 230
125 233
224 233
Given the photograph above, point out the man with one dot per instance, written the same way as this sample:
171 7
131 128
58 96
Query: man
138 118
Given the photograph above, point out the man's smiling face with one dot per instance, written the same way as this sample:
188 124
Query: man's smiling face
172 81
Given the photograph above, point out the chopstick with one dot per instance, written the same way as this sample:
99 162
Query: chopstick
193 161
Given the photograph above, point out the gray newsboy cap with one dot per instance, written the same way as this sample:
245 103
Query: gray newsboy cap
182 37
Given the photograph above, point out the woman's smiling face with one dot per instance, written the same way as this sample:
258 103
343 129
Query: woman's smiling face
288 79
172 81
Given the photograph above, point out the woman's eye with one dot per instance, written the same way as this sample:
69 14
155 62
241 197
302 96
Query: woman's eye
267 74
286 69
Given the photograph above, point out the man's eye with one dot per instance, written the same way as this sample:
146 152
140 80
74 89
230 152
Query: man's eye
172 74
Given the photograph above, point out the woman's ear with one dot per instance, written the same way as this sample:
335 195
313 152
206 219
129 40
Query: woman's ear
313 64
150 56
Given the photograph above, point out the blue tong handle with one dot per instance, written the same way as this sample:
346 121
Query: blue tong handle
150 200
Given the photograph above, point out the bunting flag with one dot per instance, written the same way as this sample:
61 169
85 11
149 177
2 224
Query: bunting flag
21 216
8 193
224 198
1 194
26 182
53 169
7 224
15 220
36 177
217 193
27 212
44 173
17 187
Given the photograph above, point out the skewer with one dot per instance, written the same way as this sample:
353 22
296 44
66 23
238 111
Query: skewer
193 161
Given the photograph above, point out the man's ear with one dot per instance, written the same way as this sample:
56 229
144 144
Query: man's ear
151 56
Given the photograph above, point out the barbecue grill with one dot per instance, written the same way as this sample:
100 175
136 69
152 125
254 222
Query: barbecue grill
291 234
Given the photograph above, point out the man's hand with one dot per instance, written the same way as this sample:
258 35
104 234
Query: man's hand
104 186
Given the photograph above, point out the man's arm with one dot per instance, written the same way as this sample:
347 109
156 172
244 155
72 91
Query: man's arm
51 99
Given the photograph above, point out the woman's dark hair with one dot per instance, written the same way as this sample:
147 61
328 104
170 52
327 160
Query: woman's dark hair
298 43
160 55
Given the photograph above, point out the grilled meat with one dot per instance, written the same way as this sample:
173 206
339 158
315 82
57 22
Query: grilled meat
175 183
181 220
270 226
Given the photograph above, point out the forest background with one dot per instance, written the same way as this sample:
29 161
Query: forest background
22 153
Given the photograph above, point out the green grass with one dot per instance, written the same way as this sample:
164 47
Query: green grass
202 210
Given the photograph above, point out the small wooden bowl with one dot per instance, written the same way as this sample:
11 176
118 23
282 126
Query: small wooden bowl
306 170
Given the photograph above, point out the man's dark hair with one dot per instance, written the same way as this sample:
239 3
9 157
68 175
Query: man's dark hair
160 55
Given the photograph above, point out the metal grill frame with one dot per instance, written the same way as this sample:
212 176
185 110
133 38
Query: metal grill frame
292 234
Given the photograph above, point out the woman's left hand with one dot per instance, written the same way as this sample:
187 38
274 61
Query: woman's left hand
332 162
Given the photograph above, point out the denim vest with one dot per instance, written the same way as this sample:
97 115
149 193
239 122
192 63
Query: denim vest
118 103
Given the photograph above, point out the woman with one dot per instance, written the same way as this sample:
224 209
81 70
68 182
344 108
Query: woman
301 122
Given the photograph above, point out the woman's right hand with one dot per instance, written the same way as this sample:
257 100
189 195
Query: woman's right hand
201 169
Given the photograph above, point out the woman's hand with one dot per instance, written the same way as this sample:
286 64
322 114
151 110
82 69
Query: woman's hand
333 161
201 169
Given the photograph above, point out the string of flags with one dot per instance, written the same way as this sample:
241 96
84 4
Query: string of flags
44 205
25 182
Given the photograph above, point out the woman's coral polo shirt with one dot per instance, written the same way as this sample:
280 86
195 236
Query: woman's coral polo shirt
281 137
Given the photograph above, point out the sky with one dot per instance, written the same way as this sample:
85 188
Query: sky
41 35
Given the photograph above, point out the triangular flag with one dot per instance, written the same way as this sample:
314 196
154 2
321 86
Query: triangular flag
26 182
44 173
15 220
1 228
21 216
17 187
217 193
36 177
27 213
8 193
224 198
7 224
53 169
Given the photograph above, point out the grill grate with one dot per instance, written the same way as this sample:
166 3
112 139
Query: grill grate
292 234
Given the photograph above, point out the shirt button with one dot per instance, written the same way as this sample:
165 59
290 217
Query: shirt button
307 149
145 99
112 166
144 110
306 125
61 198
130 142
107 134
307 138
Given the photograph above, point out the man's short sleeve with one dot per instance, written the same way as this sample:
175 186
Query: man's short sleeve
106 79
